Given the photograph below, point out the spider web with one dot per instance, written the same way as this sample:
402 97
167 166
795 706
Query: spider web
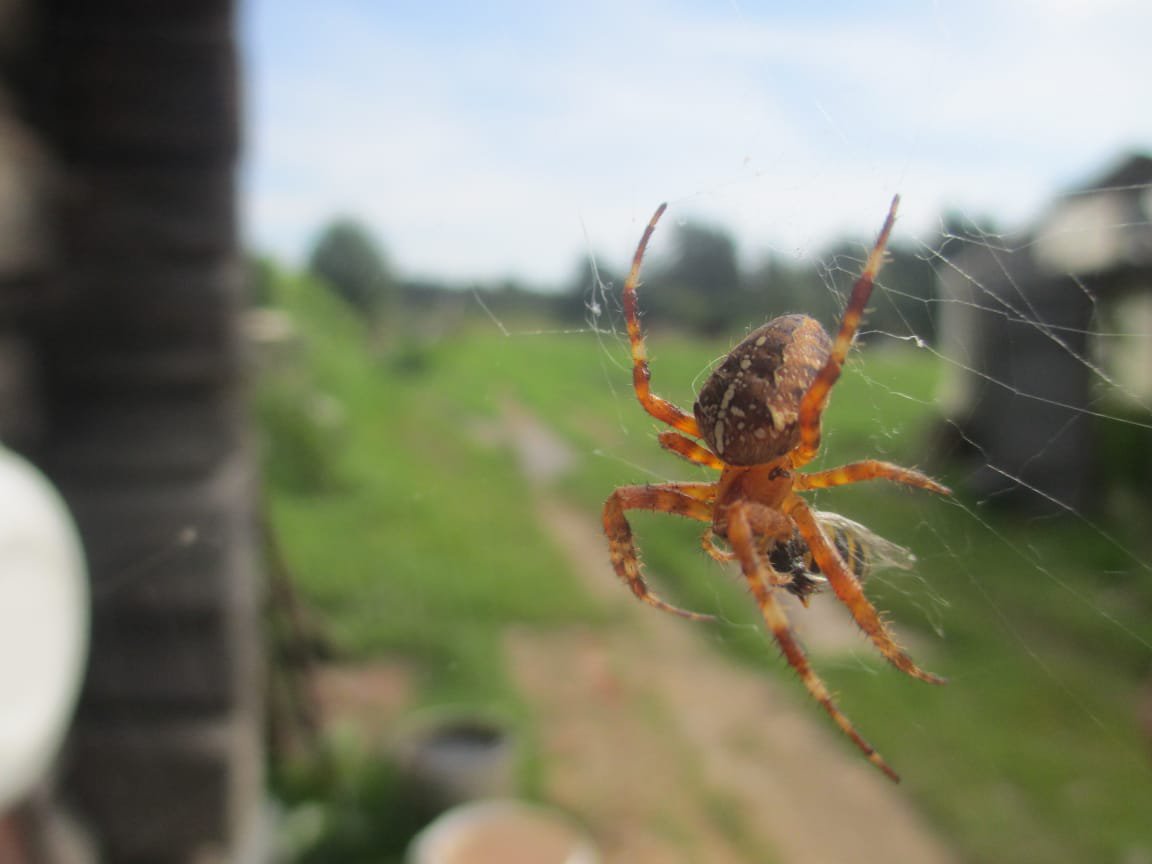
1008 509
1006 83
1104 336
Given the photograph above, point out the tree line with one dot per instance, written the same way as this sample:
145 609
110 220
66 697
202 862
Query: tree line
699 287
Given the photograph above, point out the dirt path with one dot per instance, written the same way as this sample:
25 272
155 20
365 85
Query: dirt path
670 753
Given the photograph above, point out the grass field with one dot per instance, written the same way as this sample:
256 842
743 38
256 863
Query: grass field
413 535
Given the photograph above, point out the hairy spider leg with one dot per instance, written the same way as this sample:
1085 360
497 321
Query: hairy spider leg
814 401
688 449
868 469
708 542
847 588
661 409
693 500
760 577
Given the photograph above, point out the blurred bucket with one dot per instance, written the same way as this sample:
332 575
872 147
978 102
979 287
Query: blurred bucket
452 759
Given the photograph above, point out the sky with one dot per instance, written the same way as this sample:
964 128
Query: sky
505 140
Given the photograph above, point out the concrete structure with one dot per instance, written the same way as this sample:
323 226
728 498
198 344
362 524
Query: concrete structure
1021 323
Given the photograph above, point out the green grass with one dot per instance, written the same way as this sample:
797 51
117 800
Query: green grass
422 542
1031 752
424 545
346 806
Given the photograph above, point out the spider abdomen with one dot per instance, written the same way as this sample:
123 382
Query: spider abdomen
748 408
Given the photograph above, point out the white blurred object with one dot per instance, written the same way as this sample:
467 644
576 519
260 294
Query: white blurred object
502 831
43 625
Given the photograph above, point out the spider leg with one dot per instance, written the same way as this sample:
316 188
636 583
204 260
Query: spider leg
661 409
869 469
689 449
693 500
848 590
814 401
708 541
760 579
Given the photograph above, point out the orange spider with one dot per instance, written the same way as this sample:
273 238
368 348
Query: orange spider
757 420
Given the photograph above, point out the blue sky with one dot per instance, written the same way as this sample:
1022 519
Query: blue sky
495 140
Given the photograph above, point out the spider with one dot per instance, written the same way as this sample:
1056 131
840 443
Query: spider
757 421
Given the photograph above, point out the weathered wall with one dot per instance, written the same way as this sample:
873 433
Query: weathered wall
119 343
1027 375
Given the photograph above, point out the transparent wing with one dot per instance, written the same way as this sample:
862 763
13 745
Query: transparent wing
862 548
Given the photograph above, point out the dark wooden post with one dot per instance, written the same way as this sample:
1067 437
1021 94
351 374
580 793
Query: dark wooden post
144 429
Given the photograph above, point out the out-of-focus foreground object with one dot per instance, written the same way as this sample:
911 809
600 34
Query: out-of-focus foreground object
43 625
122 369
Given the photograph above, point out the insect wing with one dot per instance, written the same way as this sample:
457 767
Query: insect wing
864 550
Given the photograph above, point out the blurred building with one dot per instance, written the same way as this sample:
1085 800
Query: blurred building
1046 331
120 377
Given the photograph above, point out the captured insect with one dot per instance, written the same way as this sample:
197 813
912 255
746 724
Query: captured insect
861 550
757 421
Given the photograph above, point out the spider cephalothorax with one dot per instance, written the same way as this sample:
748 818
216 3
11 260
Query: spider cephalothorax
757 420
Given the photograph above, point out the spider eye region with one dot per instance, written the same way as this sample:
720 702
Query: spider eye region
748 408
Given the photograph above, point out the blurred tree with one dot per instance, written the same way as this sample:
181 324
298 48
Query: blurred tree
348 260
701 287
901 306
908 306
587 290
784 286
775 287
